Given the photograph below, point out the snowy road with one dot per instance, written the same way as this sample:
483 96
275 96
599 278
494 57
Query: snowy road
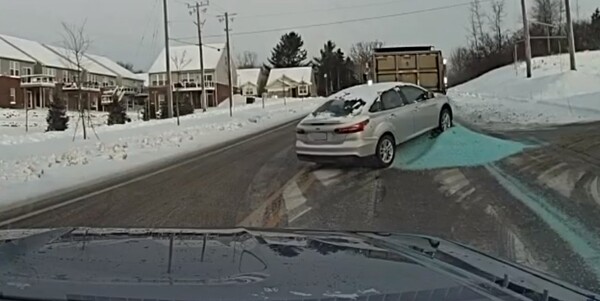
547 219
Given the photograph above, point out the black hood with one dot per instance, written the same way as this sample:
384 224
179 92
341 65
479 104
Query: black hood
247 264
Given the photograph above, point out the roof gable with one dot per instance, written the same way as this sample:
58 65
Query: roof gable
113 66
10 52
187 58
296 74
246 76
86 63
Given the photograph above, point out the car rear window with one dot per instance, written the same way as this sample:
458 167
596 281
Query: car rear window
340 107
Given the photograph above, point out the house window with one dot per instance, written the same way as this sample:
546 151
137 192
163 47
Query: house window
303 90
13 96
161 98
162 79
65 76
92 78
50 72
248 91
14 68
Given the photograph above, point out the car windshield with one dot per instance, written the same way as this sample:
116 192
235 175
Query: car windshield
193 144
340 107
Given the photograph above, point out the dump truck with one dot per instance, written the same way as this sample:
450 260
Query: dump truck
421 65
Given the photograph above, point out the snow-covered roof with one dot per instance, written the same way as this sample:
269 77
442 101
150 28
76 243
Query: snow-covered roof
297 74
144 77
86 63
368 93
110 64
187 58
39 52
10 52
248 76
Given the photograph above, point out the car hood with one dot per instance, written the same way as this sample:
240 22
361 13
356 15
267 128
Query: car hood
254 264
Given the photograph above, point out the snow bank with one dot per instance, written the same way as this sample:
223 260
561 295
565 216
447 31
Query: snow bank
555 95
37 164
240 101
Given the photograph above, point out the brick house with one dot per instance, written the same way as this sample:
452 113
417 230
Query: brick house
52 70
291 82
12 63
186 72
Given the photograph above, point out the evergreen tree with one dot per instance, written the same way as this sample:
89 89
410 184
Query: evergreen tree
595 29
288 52
340 70
57 114
118 114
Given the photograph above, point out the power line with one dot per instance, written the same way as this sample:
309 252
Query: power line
149 16
414 12
243 16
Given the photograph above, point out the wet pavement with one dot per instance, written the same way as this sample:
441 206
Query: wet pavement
532 197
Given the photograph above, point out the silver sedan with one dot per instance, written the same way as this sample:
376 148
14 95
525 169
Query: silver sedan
369 121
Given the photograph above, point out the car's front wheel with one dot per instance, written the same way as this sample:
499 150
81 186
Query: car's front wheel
385 151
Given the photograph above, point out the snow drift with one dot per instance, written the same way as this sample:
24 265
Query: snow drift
554 95
38 164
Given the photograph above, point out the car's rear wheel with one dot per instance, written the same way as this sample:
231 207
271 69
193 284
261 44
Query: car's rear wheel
445 120
385 151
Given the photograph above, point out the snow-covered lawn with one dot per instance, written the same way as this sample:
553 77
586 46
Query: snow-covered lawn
37 164
554 95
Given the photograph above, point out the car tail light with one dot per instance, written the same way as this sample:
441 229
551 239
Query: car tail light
355 128
300 131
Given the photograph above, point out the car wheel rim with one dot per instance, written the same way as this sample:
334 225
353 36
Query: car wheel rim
446 121
386 151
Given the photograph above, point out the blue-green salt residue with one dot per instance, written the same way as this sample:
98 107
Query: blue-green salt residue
457 147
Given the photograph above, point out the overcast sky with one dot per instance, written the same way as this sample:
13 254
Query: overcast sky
132 30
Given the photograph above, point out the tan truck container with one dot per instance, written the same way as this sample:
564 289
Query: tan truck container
420 65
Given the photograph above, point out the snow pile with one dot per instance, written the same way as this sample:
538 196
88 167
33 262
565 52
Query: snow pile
555 95
240 101
39 164
12 122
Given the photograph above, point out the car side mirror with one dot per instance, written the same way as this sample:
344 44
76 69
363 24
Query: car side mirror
430 95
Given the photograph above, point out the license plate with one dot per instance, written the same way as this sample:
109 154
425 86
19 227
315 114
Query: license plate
317 136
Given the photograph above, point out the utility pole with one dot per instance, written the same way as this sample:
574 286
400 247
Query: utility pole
570 35
229 62
168 62
527 40
199 24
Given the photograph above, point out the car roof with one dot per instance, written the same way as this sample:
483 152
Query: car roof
368 93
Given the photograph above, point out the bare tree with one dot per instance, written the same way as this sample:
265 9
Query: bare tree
247 59
179 62
361 54
76 44
477 17
496 20
546 11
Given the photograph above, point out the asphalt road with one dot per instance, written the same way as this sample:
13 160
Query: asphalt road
539 207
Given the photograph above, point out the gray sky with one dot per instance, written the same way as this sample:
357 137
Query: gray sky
132 30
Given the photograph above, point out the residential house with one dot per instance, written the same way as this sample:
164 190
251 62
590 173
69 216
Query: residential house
248 80
12 63
185 73
54 71
291 82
